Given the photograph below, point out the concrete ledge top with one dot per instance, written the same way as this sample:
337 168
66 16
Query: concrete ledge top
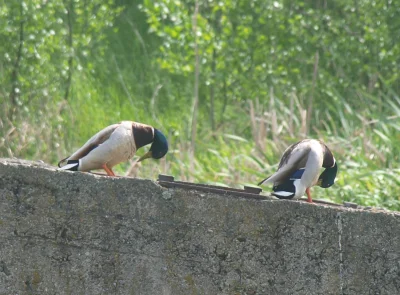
76 233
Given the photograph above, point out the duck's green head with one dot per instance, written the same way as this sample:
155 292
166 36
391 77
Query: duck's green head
327 178
158 148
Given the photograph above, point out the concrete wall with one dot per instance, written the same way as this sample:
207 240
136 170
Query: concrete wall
76 233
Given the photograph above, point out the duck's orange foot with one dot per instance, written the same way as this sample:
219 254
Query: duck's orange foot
309 199
108 170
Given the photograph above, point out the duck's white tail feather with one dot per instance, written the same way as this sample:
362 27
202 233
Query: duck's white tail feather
283 194
72 165
278 176
265 180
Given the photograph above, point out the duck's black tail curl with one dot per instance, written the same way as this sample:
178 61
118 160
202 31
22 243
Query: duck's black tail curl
61 161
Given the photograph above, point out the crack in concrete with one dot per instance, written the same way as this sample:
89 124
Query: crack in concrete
94 248
340 232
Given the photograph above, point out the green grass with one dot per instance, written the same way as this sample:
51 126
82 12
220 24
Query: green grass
366 152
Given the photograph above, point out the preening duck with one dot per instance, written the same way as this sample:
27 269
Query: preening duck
299 169
115 144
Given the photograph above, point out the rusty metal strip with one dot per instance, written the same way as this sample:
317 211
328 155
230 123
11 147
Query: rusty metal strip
248 192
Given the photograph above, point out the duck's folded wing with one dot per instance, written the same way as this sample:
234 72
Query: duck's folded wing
291 161
94 142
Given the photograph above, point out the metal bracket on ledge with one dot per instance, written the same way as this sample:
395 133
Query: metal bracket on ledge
248 191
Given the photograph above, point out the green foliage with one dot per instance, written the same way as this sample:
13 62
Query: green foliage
248 48
271 73
45 46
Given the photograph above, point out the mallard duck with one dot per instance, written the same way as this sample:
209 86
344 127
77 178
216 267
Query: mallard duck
115 144
299 169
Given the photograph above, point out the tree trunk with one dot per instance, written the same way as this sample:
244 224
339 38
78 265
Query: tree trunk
196 90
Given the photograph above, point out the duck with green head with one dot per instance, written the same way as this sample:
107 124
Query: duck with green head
115 144
299 169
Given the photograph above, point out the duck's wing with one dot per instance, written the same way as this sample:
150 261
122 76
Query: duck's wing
92 143
294 158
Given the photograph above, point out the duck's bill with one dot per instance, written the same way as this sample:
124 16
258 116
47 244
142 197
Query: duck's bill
145 156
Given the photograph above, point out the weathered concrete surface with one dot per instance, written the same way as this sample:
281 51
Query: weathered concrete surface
76 233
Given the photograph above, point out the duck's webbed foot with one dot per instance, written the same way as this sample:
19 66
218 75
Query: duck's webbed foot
309 199
108 170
